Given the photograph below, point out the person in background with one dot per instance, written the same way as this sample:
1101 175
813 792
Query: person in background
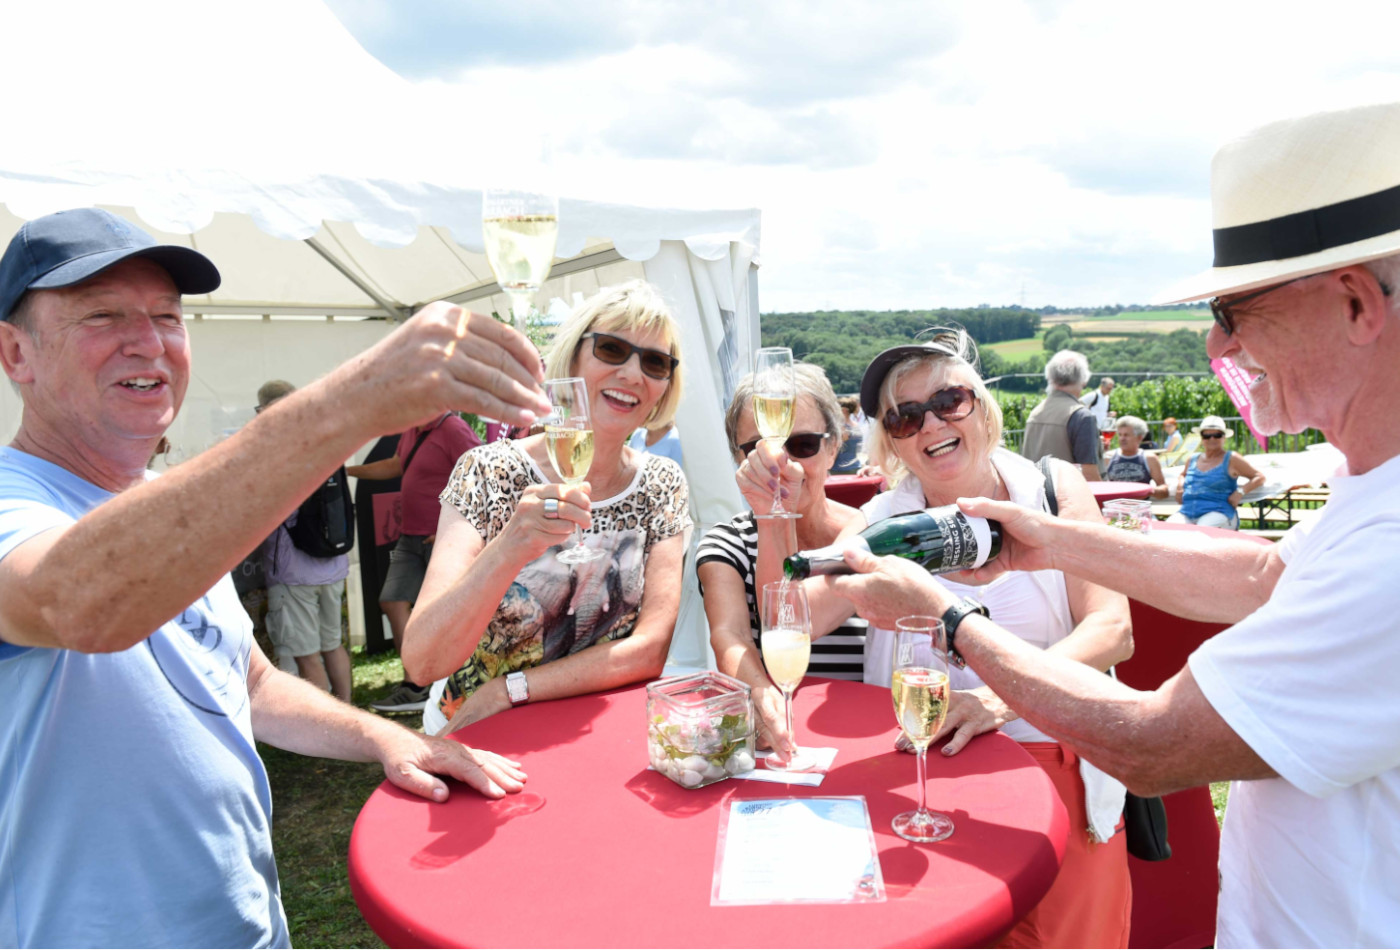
737 557
134 808
1208 487
659 440
936 434
1171 438
1128 463
1061 426
304 595
1097 402
424 459
501 620
848 456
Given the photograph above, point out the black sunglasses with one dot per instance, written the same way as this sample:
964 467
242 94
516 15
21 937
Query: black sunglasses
1212 435
800 445
1223 310
615 351
949 404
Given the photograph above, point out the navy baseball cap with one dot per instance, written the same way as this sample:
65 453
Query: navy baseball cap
945 342
68 247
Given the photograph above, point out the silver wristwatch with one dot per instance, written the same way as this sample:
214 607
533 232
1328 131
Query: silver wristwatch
517 688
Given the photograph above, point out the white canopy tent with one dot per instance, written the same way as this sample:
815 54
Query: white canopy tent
273 143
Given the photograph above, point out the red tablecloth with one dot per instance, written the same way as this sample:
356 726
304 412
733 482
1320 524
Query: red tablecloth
1109 491
853 490
598 851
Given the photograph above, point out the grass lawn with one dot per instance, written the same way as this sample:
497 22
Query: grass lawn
314 804
1017 349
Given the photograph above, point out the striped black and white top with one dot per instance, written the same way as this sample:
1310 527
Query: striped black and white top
838 655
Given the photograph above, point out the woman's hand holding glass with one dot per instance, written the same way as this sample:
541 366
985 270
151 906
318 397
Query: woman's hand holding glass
547 515
766 473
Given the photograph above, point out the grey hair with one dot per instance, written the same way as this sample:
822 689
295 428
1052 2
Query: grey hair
1386 270
811 381
1138 426
1065 369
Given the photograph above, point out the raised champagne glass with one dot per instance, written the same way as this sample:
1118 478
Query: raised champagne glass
568 434
786 643
774 404
520 229
920 693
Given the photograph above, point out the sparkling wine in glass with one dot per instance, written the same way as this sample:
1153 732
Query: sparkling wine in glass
774 404
920 692
787 646
520 229
568 435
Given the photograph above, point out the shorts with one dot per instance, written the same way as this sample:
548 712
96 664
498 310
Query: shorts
408 563
302 620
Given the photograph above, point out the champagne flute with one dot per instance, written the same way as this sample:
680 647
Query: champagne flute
920 693
568 434
521 229
787 646
774 404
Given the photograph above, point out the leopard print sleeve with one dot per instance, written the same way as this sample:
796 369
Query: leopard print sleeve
668 499
486 486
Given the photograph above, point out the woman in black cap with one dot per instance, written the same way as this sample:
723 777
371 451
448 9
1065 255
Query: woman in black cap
936 434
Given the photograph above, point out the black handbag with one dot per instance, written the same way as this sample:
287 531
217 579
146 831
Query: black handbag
1144 819
1145 824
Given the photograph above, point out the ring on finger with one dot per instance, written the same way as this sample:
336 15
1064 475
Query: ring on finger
551 507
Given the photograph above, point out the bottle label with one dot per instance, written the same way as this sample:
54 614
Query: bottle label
966 541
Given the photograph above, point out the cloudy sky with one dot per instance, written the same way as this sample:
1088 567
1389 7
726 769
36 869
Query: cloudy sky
904 154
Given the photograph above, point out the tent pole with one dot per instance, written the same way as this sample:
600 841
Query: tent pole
396 312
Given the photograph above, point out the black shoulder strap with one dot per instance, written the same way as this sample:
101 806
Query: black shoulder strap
414 451
1052 503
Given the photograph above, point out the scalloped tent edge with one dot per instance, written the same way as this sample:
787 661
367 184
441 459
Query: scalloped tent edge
318 247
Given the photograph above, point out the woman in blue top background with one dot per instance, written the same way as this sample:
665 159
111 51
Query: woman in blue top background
1208 488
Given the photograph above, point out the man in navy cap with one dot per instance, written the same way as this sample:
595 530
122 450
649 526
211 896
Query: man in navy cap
134 809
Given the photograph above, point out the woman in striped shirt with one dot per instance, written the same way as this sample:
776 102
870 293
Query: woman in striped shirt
737 557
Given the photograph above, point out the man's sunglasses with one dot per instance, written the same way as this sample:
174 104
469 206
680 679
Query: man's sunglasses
615 351
1212 435
800 445
949 404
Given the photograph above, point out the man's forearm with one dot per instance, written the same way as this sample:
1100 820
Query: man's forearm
1169 571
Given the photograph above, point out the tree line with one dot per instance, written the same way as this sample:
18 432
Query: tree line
844 342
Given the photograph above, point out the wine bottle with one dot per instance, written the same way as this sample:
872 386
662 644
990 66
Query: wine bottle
939 539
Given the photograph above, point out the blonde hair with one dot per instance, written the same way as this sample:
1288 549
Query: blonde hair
635 305
961 354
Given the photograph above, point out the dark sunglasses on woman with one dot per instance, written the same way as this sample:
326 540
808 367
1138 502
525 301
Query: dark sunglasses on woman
615 351
949 404
800 445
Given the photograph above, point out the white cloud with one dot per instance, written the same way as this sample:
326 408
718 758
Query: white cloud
904 155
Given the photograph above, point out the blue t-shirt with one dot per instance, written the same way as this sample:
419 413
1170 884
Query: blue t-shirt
134 810
668 446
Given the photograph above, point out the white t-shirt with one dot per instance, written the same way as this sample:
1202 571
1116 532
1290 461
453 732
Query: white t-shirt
1097 403
1309 681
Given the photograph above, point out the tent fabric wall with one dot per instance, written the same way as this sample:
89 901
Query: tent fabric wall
711 300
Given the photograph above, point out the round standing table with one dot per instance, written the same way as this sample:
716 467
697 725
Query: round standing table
600 851
1110 491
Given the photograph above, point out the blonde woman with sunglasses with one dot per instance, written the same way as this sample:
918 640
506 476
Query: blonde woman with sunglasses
737 557
936 433
501 620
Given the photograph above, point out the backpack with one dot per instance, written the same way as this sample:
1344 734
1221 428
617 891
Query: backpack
325 525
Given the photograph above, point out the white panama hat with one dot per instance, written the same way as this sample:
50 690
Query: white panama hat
1301 197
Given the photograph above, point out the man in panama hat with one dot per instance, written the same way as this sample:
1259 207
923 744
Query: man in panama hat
1297 700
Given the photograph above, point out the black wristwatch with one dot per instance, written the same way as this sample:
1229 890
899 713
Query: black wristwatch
954 616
